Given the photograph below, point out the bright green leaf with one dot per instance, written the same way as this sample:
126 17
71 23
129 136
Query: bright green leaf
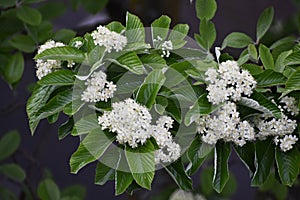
59 78
264 22
206 9
208 34
160 28
62 53
236 40
269 78
179 32
85 124
252 51
266 57
115 26
134 29
122 181
292 59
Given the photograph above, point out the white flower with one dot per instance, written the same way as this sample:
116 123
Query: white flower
287 142
166 47
44 67
225 124
181 195
78 44
98 88
228 82
109 39
132 123
290 105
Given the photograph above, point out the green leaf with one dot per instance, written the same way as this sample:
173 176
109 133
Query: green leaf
9 143
134 29
197 153
141 163
292 59
264 160
252 51
206 178
48 190
74 192
293 83
252 68
280 61
206 9
7 194
29 15
129 61
62 53
103 174
268 104
122 181
160 27
13 171
115 26
208 34
37 100
266 57
288 165
153 60
65 129
23 43
178 174
179 32
59 78
52 10
55 104
7 3
253 104
201 107
64 35
149 89
269 78
94 6
246 154
236 40
221 172
90 149
264 22
14 69
85 124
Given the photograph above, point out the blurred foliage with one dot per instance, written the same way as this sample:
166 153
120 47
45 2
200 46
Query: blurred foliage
13 172
25 24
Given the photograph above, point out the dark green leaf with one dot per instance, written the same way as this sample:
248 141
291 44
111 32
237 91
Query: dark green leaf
141 163
103 174
74 192
292 59
160 27
208 34
221 172
177 172
62 53
236 40
6 194
252 68
64 35
48 190
13 171
14 69
148 91
264 160
269 78
288 165
60 78
264 22
122 181
94 6
197 154
23 43
266 57
293 82
37 100
52 10
29 15
85 124
90 149
279 64
134 29
7 3
65 129
206 9
9 143
247 155
268 104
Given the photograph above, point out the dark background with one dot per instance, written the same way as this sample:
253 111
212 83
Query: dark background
47 151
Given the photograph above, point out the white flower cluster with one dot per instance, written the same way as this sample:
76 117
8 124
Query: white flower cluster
98 88
132 123
225 124
109 39
185 195
228 82
166 46
290 105
281 129
44 67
